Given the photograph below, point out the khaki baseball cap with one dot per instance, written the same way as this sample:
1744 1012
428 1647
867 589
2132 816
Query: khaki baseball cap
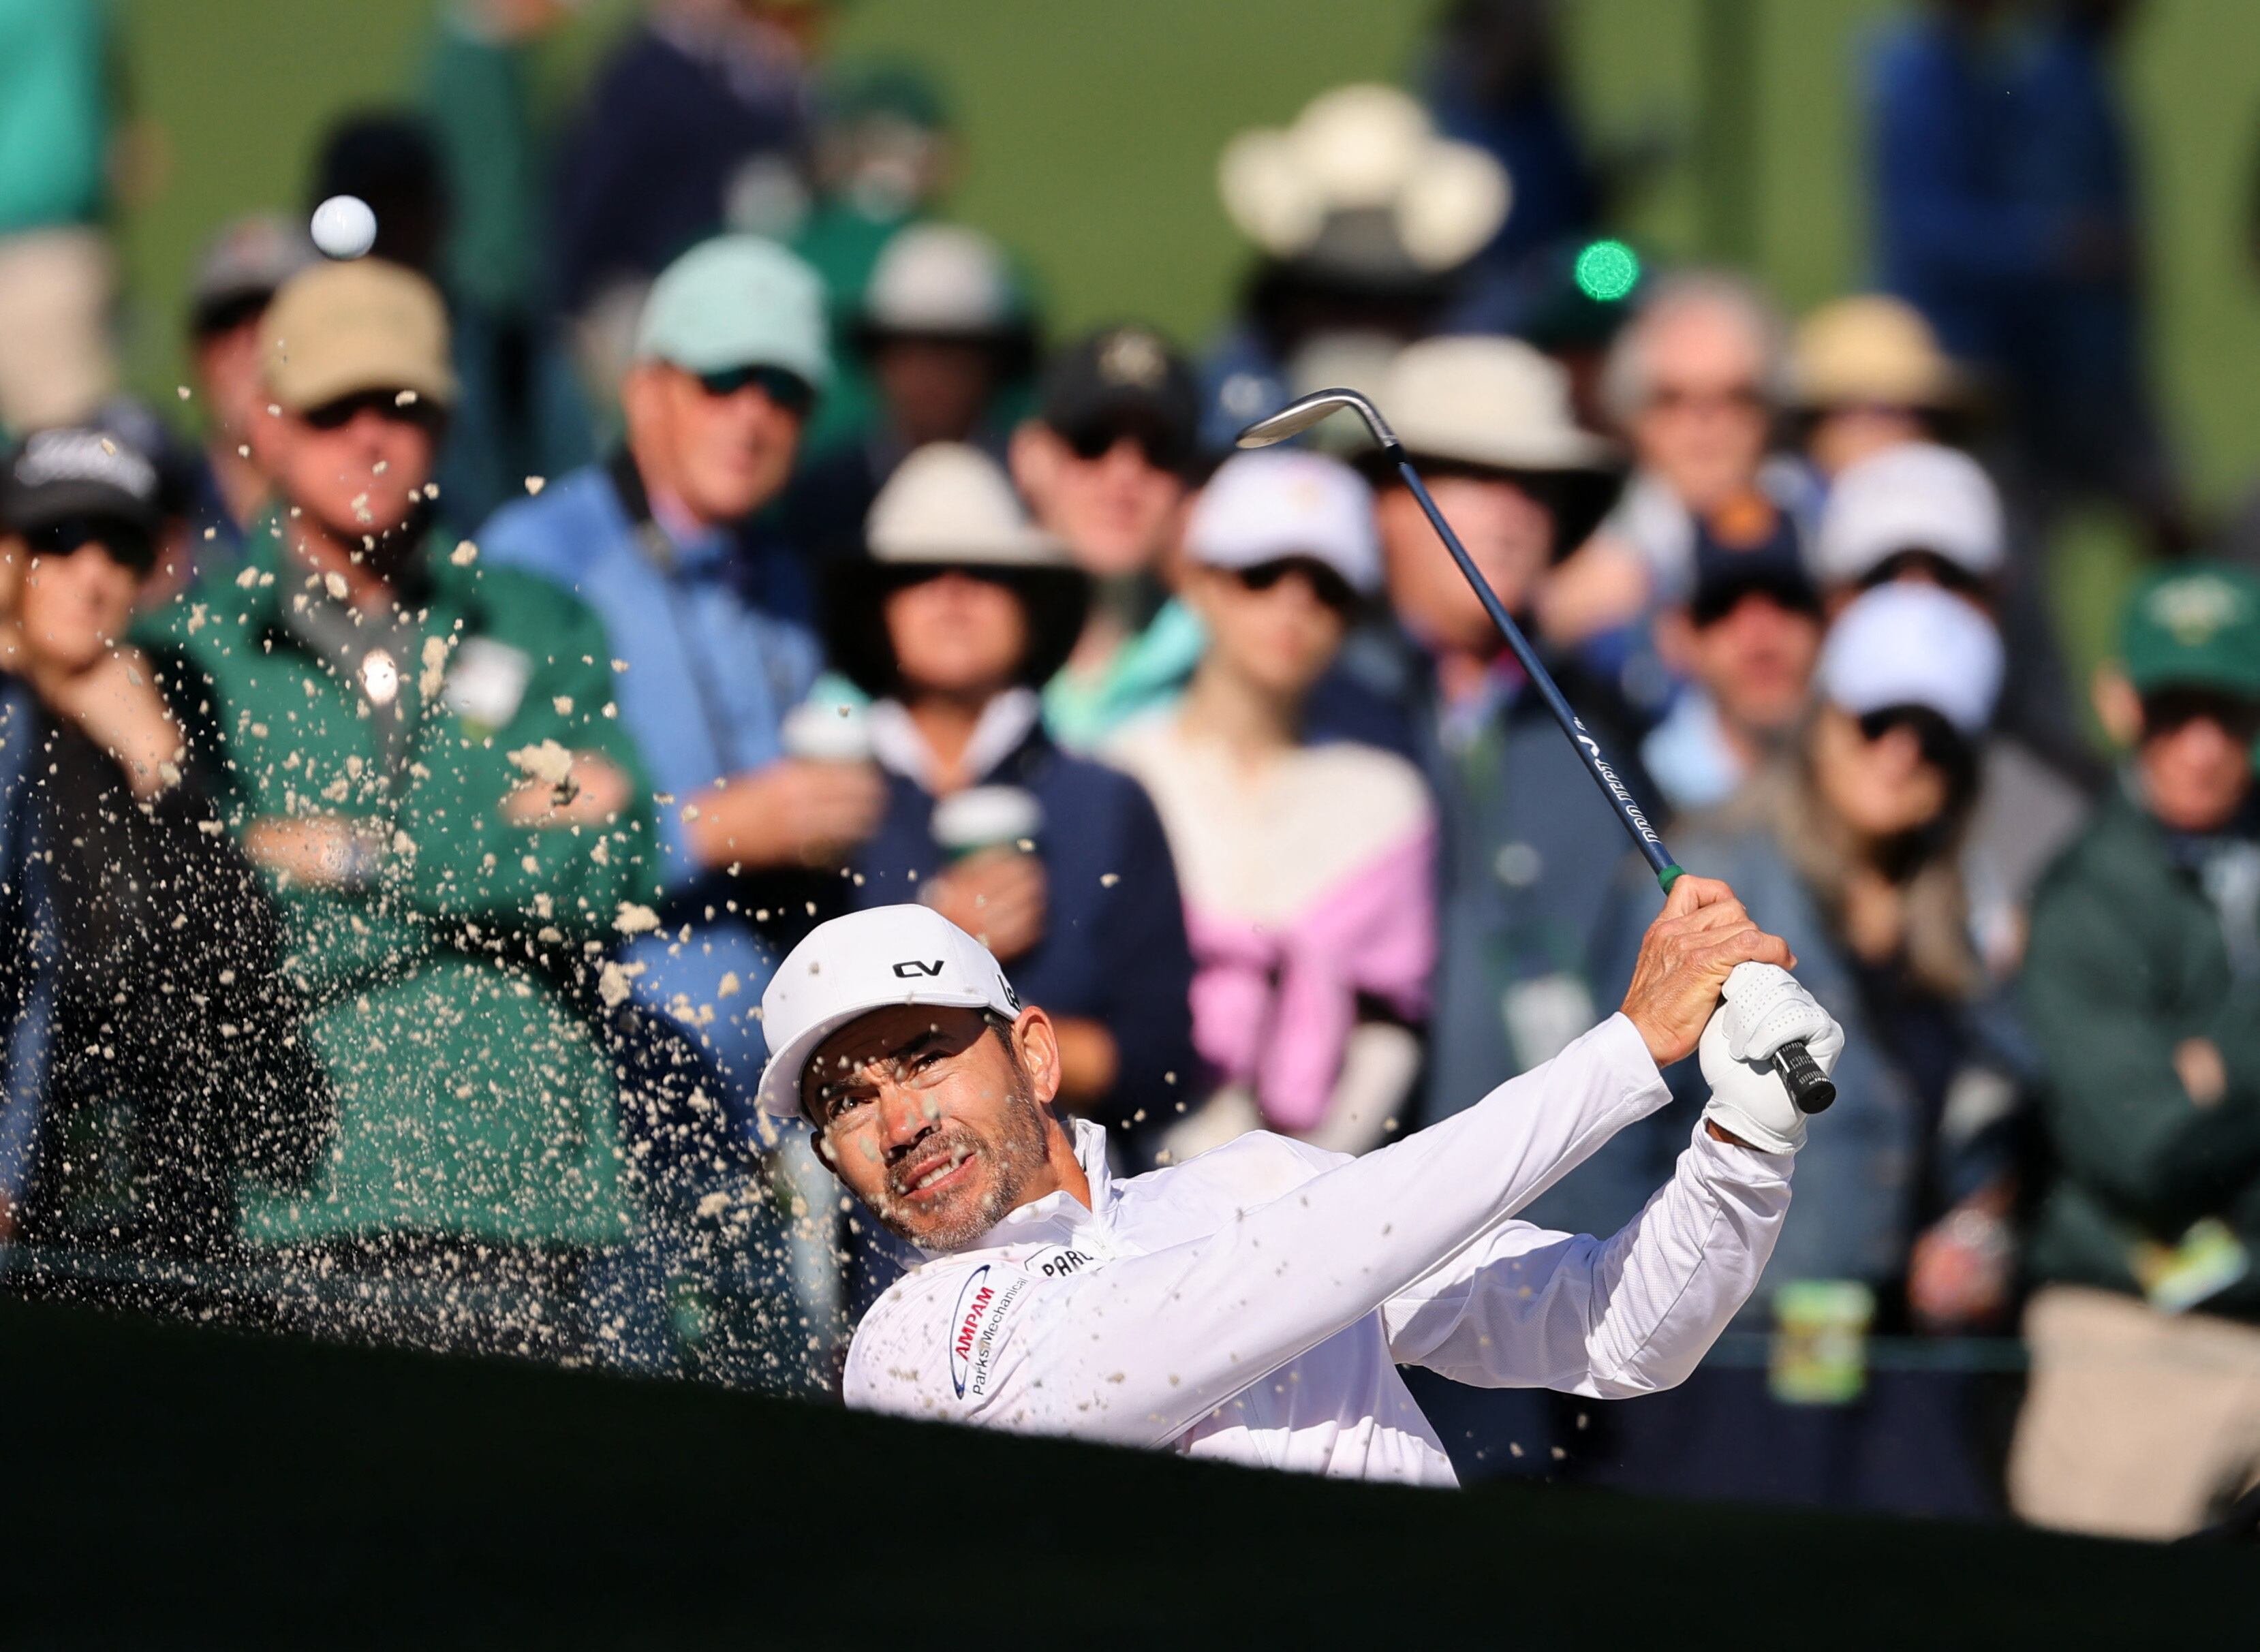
344 329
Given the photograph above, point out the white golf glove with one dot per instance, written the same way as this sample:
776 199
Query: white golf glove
1764 1009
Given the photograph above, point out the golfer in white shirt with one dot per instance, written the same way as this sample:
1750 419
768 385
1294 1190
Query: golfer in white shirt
1254 1304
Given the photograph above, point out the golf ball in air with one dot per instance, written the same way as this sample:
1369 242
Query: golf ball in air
344 227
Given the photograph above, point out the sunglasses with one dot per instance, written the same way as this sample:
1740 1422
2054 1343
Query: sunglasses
1942 570
386 405
791 393
1736 398
2170 711
1161 448
1325 584
129 546
1941 744
1712 602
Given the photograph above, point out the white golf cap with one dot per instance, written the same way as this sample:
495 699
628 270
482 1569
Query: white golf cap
1908 644
1276 503
864 962
943 279
1915 497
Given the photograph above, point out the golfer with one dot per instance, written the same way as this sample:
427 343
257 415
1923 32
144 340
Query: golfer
1253 1304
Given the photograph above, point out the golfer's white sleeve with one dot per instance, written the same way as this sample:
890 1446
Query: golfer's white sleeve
1139 1349
1530 1308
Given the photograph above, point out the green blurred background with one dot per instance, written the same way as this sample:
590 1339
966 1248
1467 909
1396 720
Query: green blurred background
1091 128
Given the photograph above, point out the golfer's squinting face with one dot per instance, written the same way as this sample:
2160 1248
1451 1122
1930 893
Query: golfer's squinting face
925 1116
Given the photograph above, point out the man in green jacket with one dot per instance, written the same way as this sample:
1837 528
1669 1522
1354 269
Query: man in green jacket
2143 993
424 763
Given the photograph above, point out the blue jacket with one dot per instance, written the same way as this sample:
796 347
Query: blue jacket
1114 945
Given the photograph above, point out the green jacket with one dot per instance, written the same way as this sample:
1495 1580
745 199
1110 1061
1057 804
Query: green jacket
2126 961
473 1100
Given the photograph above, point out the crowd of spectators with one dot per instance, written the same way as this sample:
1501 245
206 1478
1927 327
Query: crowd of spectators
408 783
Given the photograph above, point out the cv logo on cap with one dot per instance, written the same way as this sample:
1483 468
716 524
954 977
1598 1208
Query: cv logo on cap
910 967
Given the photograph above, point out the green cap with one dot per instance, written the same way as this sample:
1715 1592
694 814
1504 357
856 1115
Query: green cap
2195 626
737 301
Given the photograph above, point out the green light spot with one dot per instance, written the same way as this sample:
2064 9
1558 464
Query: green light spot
1608 271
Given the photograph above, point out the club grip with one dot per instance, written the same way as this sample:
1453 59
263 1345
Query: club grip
1811 1088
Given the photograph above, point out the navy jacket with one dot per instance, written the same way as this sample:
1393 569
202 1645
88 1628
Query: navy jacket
1114 946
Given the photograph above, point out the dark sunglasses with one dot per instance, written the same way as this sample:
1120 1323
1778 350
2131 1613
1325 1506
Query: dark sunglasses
1942 746
1161 449
2169 711
1712 602
129 546
386 405
1326 585
791 393
1942 570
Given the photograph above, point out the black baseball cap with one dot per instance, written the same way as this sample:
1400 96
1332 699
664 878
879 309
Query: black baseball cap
1750 548
1123 381
77 472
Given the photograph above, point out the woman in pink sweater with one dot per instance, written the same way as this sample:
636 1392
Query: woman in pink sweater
1307 871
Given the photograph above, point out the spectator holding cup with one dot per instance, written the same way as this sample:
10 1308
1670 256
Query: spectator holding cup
959 612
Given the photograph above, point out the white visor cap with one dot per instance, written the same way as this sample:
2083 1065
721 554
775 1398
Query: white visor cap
1266 506
864 962
1907 643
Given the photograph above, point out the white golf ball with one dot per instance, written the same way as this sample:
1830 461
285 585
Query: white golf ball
344 227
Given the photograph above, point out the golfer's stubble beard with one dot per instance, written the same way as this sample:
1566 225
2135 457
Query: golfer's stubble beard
1009 1155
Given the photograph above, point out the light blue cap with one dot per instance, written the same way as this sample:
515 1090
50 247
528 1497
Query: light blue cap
737 301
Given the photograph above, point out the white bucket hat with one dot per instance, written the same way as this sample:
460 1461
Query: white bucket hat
950 505
1264 506
864 962
1919 496
1370 151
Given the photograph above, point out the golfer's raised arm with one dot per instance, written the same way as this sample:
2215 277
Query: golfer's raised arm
1136 1351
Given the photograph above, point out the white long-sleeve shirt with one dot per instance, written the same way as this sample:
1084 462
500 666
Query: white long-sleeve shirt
1254 1304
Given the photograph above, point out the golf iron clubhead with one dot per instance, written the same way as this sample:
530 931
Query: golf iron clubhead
1809 1086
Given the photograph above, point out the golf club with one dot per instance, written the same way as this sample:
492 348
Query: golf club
1809 1087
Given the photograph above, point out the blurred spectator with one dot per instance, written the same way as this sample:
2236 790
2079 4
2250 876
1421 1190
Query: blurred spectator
517 413
694 124
239 273
730 356
1309 870
1495 80
1104 466
885 151
56 270
417 756
945 331
2143 1415
1693 383
1363 221
151 1044
1867 374
1849 845
962 611
1744 641
522 410
1927 515
2006 212
1529 845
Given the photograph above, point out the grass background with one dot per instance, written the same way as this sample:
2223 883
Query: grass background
1091 128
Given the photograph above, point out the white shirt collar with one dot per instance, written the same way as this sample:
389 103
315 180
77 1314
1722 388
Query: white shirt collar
1005 723
1025 1222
